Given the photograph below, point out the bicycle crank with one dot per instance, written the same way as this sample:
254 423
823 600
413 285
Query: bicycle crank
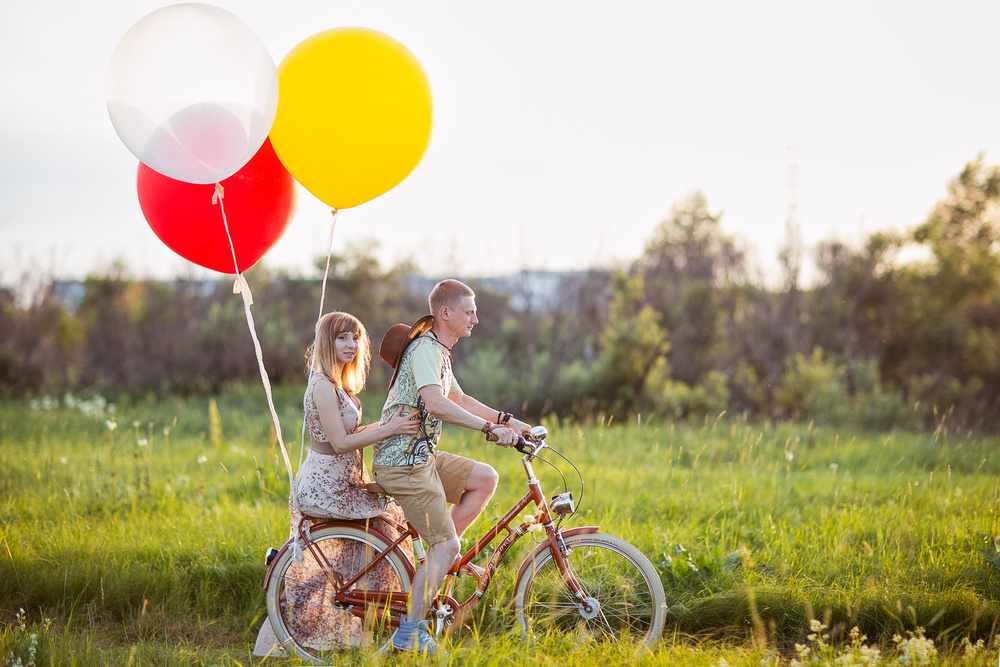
443 616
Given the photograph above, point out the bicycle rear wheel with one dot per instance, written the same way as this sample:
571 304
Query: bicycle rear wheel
298 597
627 601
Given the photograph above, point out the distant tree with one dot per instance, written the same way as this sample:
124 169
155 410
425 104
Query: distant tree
106 314
631 346
947 345
856 303
519 357
39 345
688 268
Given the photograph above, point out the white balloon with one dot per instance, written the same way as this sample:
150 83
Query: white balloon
192 92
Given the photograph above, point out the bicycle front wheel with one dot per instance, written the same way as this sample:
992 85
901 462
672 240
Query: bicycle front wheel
299 594
624 593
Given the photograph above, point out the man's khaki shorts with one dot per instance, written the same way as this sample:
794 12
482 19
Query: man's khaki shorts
424 491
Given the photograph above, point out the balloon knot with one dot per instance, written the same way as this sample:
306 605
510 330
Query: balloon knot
219 193
240 286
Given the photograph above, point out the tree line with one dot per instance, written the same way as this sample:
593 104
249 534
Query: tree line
688 329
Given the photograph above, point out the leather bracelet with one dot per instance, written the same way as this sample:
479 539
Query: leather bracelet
503 417
487 427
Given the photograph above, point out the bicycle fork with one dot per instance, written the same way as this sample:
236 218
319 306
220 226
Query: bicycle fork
560 550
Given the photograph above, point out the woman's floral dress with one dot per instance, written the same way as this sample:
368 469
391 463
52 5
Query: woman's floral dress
331 486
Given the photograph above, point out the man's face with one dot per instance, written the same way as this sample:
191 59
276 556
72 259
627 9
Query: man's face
462 318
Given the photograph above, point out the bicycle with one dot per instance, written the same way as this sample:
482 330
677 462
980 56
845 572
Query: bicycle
575 580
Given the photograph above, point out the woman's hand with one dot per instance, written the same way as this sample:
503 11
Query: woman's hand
401 424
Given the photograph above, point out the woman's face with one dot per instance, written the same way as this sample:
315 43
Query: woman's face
346 346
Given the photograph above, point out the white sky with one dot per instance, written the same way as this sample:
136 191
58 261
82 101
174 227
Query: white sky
564 131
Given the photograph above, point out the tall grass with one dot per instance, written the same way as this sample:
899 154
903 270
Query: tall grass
138 531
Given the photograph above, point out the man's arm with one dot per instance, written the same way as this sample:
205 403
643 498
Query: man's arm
452 411
472 405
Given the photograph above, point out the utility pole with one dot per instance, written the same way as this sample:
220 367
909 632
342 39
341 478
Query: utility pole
790 310
791 253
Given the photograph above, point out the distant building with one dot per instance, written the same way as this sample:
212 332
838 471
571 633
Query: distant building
69 294
540 291
534 290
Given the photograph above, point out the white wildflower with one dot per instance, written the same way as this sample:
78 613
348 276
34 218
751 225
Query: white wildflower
203 459
972 651
47 403
789 456
111 424
916 650
142 442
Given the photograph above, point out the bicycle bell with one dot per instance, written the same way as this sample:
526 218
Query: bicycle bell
538 433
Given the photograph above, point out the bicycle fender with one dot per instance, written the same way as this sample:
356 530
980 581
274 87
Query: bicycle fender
579 530
335 524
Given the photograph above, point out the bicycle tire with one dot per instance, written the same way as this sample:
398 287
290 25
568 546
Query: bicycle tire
632 606
292 623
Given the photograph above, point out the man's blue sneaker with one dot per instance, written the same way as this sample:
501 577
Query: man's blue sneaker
413 636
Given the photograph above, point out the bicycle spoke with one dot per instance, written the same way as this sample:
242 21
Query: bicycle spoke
300 604
621 602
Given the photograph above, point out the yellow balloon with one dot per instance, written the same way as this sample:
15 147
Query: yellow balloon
354 115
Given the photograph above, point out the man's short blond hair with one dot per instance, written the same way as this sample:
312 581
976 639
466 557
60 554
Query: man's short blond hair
447 294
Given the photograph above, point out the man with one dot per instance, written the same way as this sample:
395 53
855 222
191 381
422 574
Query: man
421 479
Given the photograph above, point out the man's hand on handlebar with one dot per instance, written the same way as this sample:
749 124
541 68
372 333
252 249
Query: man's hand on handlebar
510 435
505 436
519 426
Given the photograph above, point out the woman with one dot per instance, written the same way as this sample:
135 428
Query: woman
330 484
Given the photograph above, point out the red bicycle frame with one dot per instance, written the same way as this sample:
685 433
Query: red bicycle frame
362 602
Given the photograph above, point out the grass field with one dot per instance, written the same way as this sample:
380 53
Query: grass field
136 536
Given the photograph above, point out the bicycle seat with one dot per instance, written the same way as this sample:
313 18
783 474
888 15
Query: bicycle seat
375 487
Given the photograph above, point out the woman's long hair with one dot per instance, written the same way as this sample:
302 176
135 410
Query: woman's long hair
352 376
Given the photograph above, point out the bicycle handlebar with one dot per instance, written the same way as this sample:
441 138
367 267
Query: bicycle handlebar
521 445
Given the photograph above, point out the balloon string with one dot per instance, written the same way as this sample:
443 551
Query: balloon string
322 299
241 287
326 271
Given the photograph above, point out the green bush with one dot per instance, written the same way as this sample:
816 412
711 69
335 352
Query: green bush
676 400
815 388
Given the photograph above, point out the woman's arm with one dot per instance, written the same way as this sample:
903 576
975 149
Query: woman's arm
328 405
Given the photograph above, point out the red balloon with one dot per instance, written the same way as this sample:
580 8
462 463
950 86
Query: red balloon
259 200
